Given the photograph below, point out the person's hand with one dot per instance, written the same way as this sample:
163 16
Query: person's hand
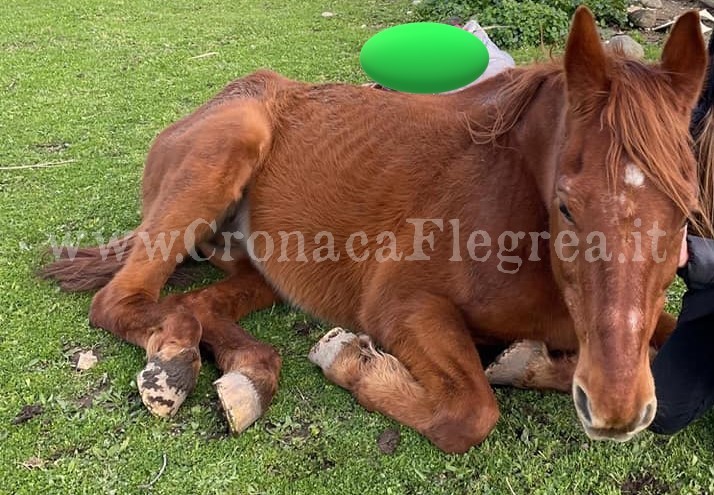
696 261
684 250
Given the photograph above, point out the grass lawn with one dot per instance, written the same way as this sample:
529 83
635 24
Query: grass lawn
93 82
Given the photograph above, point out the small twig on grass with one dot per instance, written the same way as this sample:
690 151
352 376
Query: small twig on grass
510 488
158 475
38 165
203 55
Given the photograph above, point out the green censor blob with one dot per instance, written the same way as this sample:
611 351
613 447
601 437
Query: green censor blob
424 57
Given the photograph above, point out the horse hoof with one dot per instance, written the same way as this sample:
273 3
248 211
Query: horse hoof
512 365
326 350
240 400
166 382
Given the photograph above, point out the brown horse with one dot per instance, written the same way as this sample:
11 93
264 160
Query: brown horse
380 211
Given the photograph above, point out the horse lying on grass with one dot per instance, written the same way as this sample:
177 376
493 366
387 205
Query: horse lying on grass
597 144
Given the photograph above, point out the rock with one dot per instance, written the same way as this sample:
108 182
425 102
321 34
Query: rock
85 360
327 14
643 18
651 4
624 45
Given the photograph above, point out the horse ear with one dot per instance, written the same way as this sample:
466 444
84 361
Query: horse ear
585 61
684 57
706 99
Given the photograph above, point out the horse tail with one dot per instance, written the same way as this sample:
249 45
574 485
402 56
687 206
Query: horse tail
702 130
87 269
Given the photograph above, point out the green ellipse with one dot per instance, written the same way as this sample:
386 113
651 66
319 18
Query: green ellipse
424 57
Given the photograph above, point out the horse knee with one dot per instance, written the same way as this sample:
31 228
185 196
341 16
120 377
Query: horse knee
101 310
458 433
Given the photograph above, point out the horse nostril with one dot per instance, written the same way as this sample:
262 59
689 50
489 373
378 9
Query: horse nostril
581 402
648 413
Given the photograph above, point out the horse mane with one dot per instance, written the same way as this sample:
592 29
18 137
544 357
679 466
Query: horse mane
517 87
646 126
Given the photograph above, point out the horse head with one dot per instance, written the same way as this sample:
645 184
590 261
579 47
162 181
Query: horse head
625 185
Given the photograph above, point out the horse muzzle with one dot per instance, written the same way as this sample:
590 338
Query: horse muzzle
619 423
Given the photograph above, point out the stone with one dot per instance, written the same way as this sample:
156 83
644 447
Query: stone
86 360
626 46
651 4
643 18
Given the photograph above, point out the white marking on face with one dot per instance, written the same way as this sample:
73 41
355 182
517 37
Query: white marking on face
634 176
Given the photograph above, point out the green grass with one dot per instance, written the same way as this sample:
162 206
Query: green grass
94 81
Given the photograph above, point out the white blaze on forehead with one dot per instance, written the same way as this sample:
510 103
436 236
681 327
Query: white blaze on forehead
634 176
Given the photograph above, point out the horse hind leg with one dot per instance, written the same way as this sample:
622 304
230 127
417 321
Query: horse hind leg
225 148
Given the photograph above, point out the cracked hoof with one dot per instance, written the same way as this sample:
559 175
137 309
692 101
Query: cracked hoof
326 350
240 400
514 364
344 356
165 383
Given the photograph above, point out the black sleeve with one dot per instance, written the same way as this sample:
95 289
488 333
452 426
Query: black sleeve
698 274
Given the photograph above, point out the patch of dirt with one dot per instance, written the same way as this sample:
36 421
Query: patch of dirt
52 147
290 432
388 441
27 412
86 400
304 328
322 463
644 484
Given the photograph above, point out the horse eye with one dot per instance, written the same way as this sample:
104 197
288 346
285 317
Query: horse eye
566 213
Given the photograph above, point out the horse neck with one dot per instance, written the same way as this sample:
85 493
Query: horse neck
530 107
540 136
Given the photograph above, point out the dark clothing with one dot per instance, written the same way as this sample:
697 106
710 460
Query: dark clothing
684 374
683 369
698 274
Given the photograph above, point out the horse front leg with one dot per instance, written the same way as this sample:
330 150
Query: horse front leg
532 364
431 379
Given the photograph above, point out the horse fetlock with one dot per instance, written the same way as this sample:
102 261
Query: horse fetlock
168 378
